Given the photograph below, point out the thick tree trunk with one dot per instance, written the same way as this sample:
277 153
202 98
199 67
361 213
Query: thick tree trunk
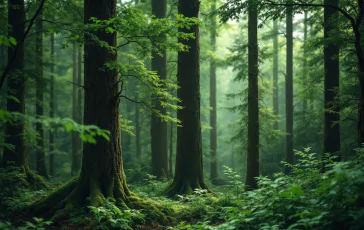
75 138
40 86
102 174
213 112
171 150
332 76
289 88
253 99
275 73
159 128
79 98
52 111
189 169
305 31
14 132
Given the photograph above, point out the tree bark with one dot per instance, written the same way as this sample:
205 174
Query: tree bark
40 86
275 73
138 130
332 77
159 127
171 150
52 111
213 112
253 98
14 132
289 88
189 168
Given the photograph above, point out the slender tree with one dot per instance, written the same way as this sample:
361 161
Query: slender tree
305 32
332 76
159 128
2 32
253 98
213 112
40 86
275 73
14 132
289 87
189 169
52 110
138 130
75 138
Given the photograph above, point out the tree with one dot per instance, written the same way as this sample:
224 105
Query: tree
75 116
213 112
332 83
305 32
52 110
40 86
289 88
253 98
275 73
102 174
188 169
15 131
159 127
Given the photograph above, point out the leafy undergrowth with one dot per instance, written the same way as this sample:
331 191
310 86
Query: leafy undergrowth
306 199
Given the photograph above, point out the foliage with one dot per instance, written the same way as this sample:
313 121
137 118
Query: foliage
39 224
111 217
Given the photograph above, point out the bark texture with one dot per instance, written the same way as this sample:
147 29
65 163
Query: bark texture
14 132
189 169
159 128
253 98
289 88
332 77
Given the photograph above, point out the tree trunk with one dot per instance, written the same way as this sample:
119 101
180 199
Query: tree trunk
189 168
213 112
159 128
289 89
275 73
79 99
305 31
75 141
171 150
40 86
253 98
14 132
138 130
52 111
332 76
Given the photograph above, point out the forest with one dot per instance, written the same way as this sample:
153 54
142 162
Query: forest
182 114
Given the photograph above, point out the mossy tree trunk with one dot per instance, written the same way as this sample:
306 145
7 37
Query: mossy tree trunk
332 81
289 88
189 168
159 127
40 162
253 98
14 132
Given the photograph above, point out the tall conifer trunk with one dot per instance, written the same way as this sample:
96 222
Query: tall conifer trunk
332 77
75 167
14 132
305 31
189 169
52 110
40 87
213 112
275 73
159 128
289 88
253 98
